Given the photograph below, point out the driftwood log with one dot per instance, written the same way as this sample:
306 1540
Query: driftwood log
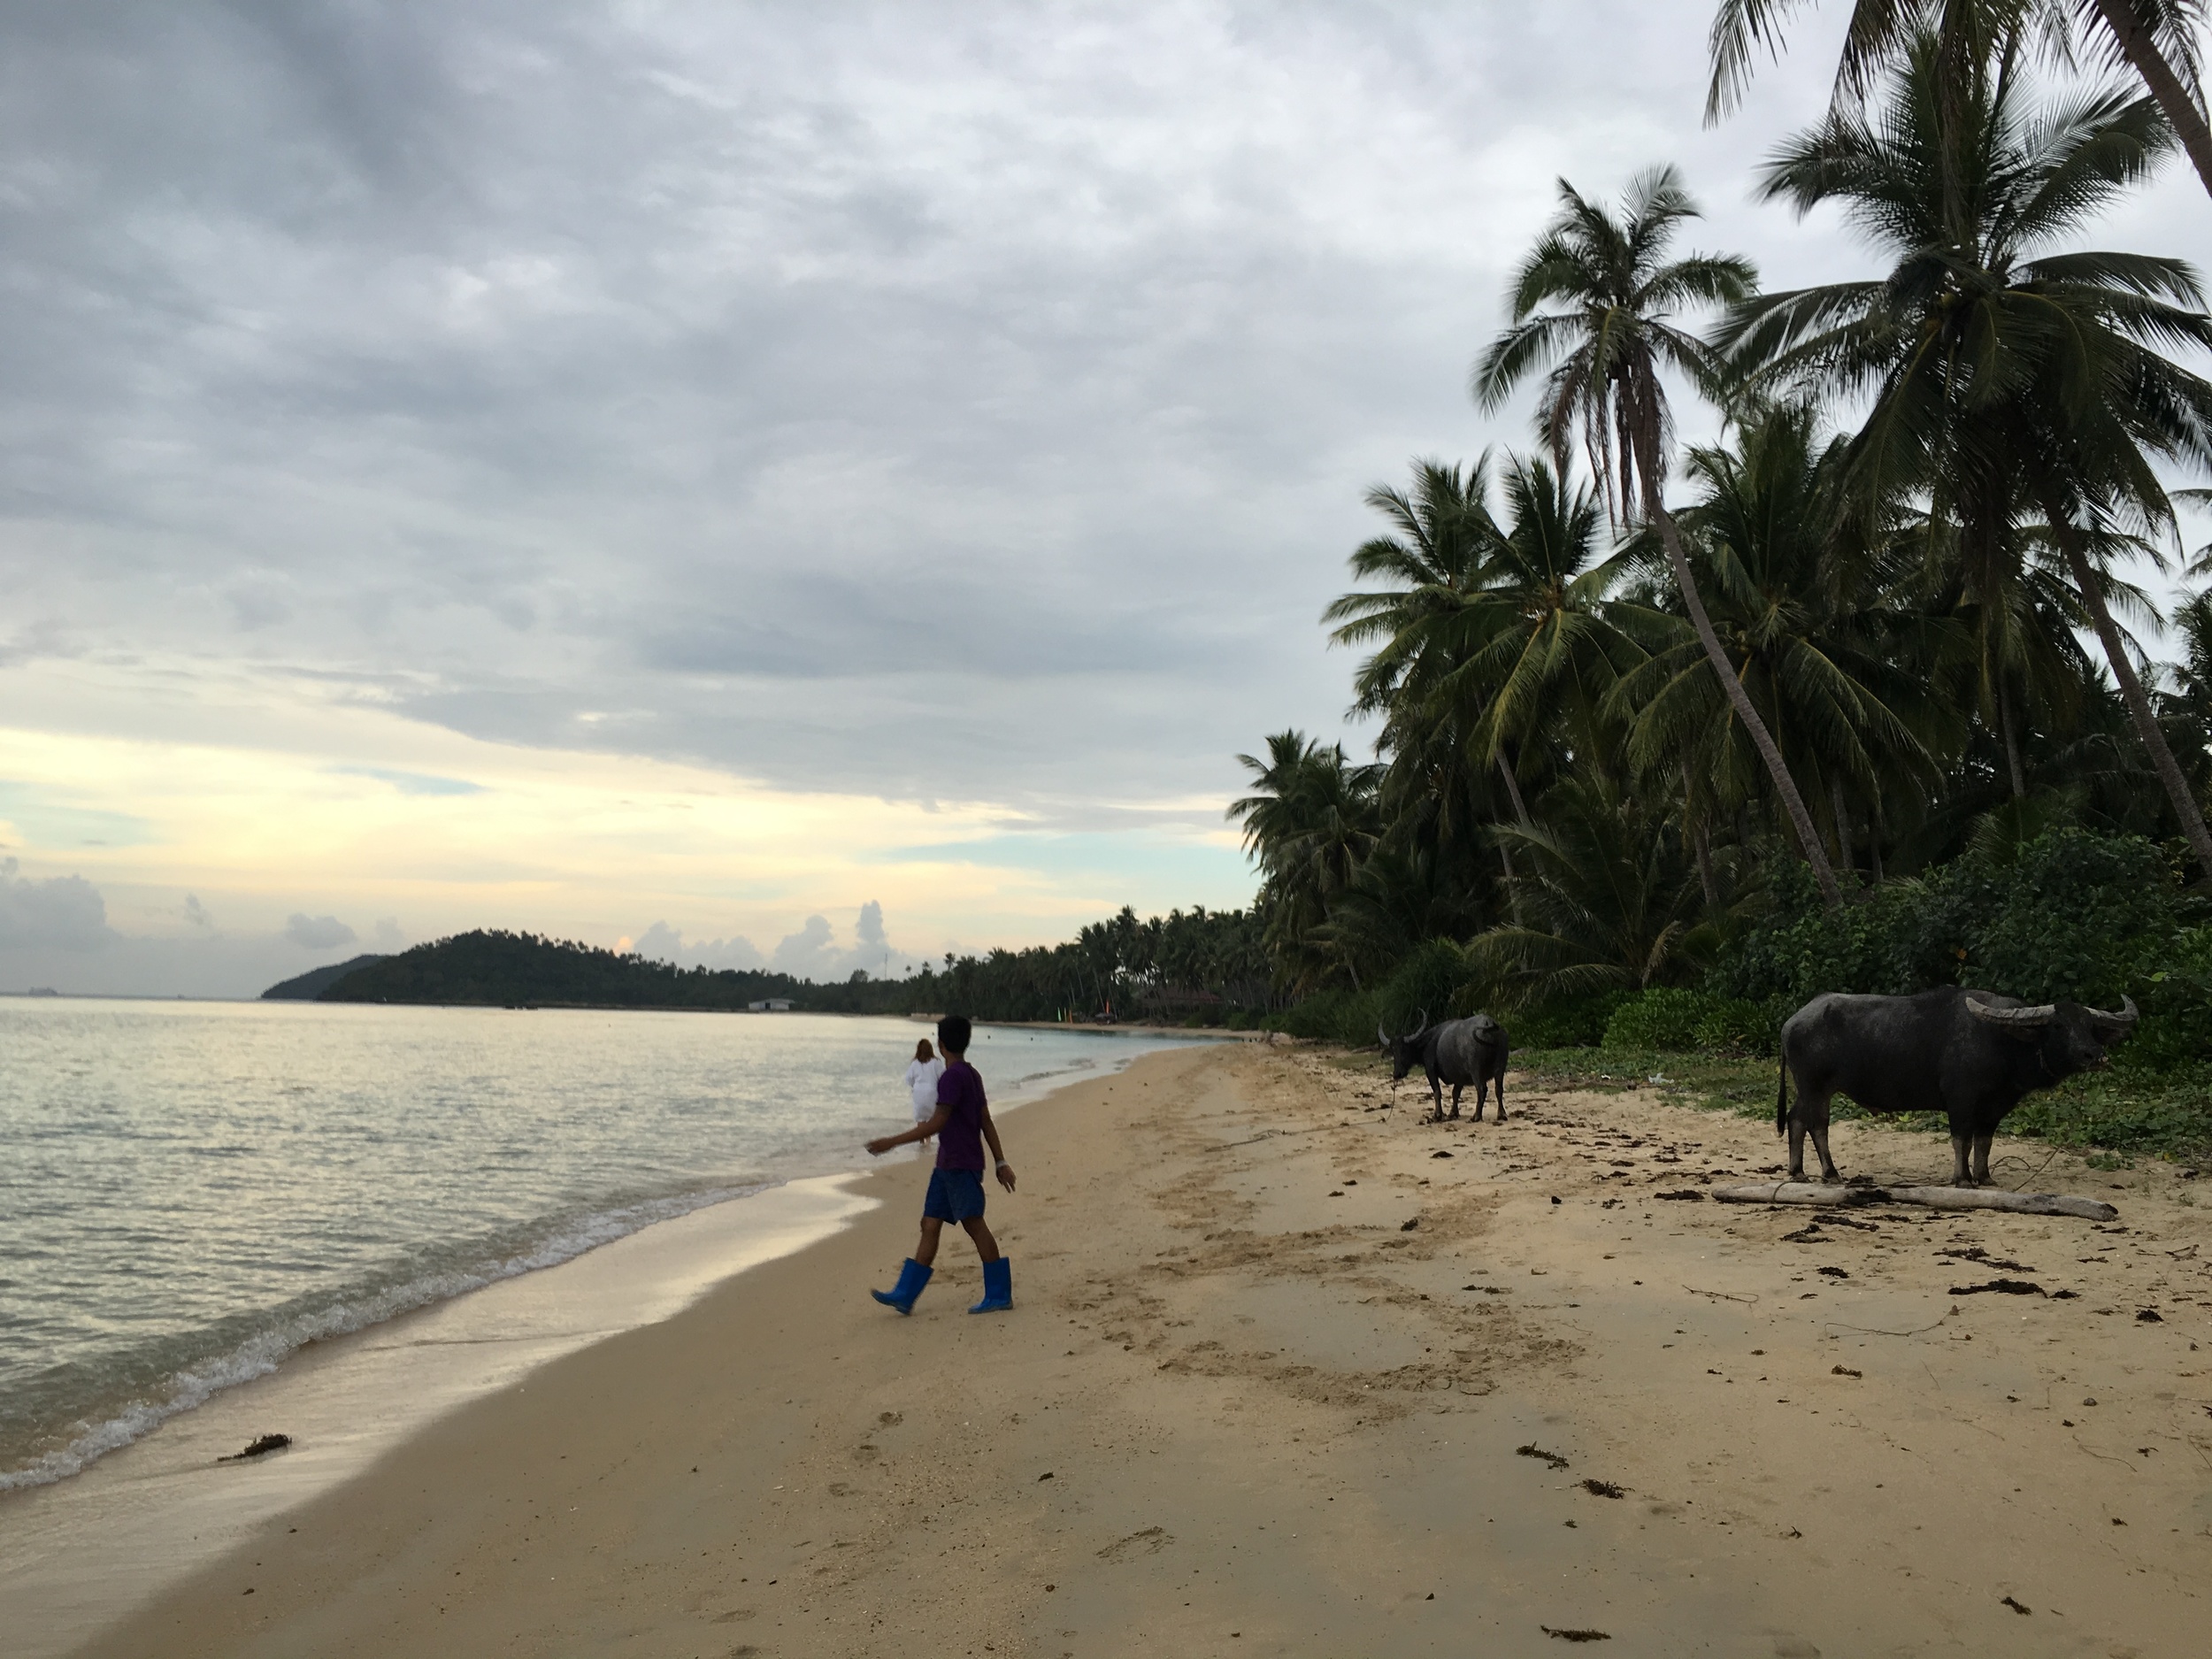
1927 1197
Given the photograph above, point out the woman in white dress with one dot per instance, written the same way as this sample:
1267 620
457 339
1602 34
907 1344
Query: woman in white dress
922 1072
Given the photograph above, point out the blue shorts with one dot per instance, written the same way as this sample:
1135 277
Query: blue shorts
954 1196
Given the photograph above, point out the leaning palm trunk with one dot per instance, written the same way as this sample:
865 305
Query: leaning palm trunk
2131 693
2181 109
1646 442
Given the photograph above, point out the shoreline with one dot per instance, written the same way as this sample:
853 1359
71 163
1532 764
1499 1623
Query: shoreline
1288 1374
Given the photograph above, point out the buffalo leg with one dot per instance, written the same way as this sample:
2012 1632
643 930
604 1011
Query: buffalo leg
1981 1159
1456 1089
1828 1170
1811 1115
1961 1144
1498 1082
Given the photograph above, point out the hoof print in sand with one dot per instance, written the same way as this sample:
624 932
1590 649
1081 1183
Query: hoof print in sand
1150 1541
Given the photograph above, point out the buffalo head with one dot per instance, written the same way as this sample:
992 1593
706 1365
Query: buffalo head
1404 1052
2072 1036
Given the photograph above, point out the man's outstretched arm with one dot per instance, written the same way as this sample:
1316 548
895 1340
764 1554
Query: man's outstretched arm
932 1124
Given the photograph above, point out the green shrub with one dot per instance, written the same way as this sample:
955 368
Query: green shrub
1664 1019
1337 1016
2069 914
1425 982
1572 1023
1734 1025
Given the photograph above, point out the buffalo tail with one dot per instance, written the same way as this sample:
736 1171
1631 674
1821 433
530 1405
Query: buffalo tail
1782 1098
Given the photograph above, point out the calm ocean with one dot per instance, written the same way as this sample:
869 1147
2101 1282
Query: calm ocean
189 1191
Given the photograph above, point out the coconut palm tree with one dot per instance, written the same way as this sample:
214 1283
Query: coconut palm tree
1998 368
1309 824
1551 657
2157 39
1595 304
1838 657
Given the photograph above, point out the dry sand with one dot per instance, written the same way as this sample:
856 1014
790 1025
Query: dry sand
1245 1405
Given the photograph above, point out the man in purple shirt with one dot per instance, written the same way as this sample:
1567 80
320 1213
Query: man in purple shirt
962 1125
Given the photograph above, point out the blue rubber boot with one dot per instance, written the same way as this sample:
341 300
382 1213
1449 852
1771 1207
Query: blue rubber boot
998 1287
912 1276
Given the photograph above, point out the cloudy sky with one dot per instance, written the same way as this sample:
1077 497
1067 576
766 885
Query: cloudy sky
824 483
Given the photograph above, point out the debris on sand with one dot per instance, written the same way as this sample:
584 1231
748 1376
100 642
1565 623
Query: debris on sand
1603 1489
261 1448
2002 1286
2014 1605
1532 1450
1688 1194
1408 1227
2148 1316
1844 1371
1575 1635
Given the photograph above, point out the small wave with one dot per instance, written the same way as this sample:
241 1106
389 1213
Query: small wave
261 1353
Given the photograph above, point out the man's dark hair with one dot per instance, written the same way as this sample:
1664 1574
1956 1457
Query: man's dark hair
953 1032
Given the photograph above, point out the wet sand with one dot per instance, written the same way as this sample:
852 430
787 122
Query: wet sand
1267 1389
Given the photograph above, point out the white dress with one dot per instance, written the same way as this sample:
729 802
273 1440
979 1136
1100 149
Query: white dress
921 1083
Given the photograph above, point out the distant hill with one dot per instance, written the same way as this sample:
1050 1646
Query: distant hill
503 970
312 985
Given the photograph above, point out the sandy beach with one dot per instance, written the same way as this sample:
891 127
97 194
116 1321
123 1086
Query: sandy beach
1290 1373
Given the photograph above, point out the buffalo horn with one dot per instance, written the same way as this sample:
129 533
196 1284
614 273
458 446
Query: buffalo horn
2124 1021
1421 1024
2042 1014
1381 1036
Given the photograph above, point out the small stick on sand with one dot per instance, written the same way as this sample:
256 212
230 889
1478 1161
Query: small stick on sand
1927 1197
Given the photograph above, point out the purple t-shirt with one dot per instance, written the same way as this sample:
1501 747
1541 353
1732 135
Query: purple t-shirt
960 1143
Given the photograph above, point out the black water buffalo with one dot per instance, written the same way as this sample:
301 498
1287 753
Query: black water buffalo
1970 1055
1456 1051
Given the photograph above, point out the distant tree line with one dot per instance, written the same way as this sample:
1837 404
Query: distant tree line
1201 966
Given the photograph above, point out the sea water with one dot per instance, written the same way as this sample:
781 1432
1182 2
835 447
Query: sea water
189 1192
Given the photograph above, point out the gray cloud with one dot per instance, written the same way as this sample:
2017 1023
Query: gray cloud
318 932
660 942
814 952
57 913
935 401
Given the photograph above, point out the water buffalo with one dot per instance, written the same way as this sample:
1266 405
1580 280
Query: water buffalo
1970 1055
1456 1051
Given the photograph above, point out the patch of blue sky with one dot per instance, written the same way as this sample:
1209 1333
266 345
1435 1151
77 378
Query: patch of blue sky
43 821
413 782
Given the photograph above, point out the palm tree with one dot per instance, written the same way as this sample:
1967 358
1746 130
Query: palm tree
1610 334
1839 659
1998 369
1610 899
1551 655
1309 824
2157 39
